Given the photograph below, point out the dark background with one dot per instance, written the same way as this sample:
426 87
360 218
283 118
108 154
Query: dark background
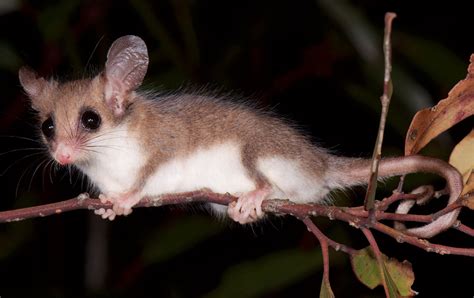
317 62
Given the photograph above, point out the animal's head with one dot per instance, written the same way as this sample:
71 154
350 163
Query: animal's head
75 117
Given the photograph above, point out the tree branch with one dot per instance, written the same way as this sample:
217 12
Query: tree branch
320 235
385 100
323 241
355 217
378 255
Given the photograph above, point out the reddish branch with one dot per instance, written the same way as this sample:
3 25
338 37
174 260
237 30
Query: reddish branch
355 217
321 237
323 241
378 255
385 100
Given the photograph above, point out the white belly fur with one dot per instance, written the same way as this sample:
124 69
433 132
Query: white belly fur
116 164
218 168
291 181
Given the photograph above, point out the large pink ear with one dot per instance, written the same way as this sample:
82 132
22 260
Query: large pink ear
126 66
34 86
31 83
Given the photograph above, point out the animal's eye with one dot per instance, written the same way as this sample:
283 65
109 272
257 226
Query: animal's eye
90 120
48 128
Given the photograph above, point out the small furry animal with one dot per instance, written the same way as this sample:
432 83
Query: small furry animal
132 144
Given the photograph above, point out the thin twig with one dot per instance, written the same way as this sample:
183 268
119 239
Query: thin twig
378 255
459 203
465 229
324 246
385 99
422 243
335 245
396 196
299 210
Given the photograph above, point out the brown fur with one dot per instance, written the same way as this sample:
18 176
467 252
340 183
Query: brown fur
176 125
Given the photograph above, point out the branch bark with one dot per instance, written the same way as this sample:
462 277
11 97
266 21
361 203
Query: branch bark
355 217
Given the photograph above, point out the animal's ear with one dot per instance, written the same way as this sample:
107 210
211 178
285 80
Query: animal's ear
126 66
33 84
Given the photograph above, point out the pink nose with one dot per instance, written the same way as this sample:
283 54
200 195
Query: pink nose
64 158
64 154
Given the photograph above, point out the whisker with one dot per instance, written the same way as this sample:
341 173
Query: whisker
34 172
23 149
25 171
90 150
65 173
103 146
98 136
48 164
102 133
92 54
84 179
51 171
19 160
70 129
70 174
101 152
22 138
56 168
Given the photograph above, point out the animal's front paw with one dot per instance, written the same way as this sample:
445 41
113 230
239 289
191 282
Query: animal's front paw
121 205
248 208
105 213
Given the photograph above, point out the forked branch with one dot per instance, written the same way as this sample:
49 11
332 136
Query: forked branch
355 216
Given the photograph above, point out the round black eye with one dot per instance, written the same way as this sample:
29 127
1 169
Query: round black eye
90 120
48 128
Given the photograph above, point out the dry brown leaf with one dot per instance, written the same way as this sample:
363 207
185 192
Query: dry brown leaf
469 203
469 185
462 158
429 123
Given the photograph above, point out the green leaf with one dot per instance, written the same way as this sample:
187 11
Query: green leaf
326 291
270 272
399 276
391 286
181 235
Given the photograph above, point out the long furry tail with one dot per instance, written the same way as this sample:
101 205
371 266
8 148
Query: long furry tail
352 171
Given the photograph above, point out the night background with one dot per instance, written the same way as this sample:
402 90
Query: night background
319 63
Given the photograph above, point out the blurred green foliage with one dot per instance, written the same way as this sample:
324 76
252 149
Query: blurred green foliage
168 241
